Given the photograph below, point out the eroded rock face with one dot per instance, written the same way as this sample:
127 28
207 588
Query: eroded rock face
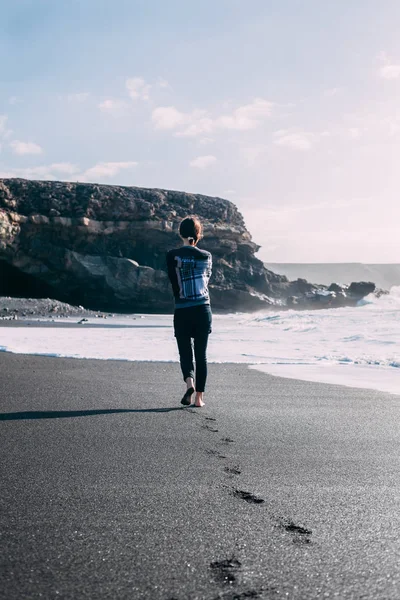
104 247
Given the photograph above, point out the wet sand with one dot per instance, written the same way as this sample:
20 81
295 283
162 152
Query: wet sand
277 488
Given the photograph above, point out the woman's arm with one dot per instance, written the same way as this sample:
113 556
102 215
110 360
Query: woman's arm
172 273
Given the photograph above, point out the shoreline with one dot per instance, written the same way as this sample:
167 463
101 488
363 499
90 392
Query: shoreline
320 375
148 337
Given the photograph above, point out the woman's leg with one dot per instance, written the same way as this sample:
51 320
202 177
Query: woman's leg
202 330
200 353
183 339
185 348
186 358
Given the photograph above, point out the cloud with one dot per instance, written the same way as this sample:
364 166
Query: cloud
205 140
43 171
196 123
167 117
138 88
113 107
388 70
247 117
22 148
78 97
162 83
200 122
296 140
4 132
3 121
202 162
67 168
329 93
69 171
104 170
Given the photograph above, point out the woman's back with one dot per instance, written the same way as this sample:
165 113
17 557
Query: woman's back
189 270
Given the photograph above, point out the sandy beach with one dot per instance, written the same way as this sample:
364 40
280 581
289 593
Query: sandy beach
278 488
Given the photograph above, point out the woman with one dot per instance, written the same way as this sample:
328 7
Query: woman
189 270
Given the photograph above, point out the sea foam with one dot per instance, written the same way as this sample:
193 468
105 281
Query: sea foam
349 346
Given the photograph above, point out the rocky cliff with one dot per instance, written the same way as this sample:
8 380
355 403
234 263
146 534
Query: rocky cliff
104 247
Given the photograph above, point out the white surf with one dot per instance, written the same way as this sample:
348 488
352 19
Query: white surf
348 346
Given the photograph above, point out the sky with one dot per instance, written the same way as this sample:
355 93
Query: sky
288 108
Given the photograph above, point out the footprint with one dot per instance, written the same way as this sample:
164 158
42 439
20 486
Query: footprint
247 594
248 497
209 428
227 440
301 540
233 470
225 571
301 535
215 453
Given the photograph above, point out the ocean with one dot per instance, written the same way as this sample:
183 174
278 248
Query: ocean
385 276
356 347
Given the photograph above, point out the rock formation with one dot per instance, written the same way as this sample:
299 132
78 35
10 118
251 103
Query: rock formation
104 247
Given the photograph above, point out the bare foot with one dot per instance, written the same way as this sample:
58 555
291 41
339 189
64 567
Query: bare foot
187 397
199 400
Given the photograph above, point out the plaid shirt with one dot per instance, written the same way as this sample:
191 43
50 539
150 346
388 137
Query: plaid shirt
189 270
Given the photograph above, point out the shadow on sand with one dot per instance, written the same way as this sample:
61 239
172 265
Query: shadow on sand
65 414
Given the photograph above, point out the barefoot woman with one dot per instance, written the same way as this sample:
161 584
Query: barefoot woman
189 270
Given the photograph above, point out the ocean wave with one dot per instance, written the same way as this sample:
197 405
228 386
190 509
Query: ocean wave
392 362
390 301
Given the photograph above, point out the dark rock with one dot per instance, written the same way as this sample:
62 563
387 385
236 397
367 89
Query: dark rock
104 247
335 287
361 289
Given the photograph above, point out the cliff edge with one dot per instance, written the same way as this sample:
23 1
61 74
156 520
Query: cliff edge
104 246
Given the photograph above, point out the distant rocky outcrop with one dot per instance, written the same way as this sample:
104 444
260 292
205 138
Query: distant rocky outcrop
104 246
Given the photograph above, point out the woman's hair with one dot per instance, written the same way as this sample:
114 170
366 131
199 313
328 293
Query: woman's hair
191 229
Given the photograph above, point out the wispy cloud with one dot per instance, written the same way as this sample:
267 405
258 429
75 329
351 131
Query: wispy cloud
22 148
105 170
200 122
330 92
205 141
162 83
247 117
69 171
3 121
4 131
113 106
138 88
389 69
203 162
42 172
296 140
167 117
196 123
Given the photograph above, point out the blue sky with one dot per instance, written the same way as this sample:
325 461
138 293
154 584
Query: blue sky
289 108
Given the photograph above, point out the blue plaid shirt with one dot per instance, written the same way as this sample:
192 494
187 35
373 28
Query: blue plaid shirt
189 270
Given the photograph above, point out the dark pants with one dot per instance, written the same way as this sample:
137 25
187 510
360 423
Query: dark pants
193 323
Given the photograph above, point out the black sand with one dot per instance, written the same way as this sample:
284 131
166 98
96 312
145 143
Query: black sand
277 489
